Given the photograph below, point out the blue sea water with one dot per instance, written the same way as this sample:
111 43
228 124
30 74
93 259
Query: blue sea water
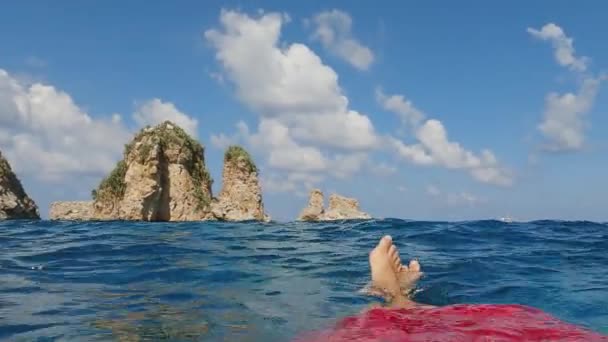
272 281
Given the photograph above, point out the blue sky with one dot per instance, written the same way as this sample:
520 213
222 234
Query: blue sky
394 105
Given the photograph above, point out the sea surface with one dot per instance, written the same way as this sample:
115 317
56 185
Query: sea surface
66 281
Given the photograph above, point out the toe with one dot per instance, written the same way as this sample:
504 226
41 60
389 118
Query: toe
414 265
396 259
396 262
392 251
385 243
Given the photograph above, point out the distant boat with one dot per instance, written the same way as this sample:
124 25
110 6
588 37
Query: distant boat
506 219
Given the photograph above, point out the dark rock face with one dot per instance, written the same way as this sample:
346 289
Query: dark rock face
14 202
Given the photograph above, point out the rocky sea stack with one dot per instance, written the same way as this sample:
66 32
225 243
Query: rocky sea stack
340 208
14 202
241 196
163 177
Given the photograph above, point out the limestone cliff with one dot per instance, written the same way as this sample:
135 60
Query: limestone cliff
340 208
315 209
161 178
72 211
241 196
14 202
343 208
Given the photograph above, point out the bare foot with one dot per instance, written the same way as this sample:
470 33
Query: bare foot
407 276
385 264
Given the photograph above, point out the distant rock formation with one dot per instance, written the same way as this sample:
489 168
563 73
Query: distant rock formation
315 209
163 177
72 211
343 208
241 196
340 208
14 202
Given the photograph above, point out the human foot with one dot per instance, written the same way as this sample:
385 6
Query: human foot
385 265
407 276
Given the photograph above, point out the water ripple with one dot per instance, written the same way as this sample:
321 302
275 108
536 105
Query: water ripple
270 281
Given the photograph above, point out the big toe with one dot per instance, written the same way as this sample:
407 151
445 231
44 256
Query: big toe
385 243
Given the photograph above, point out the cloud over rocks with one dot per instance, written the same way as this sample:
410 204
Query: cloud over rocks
284 152
223 141
563 125
334 30
287 83
305 123
45 134
297 183
155 111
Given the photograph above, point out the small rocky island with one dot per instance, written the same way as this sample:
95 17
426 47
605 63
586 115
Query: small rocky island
340 208
14 202
241 196
163 177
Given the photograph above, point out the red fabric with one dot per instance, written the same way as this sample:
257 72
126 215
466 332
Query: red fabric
456 323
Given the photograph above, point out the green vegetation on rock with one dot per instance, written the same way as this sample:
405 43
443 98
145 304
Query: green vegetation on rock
194 159
113 186
200 175
236 152
166 136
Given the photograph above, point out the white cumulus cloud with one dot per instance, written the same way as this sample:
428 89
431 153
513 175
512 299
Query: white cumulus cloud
433 147
305 123
433 140
155 111
409 114
47 135
564 118
563 125
344 165
298 183
284 152
563 45
334 30
287 83
222 141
